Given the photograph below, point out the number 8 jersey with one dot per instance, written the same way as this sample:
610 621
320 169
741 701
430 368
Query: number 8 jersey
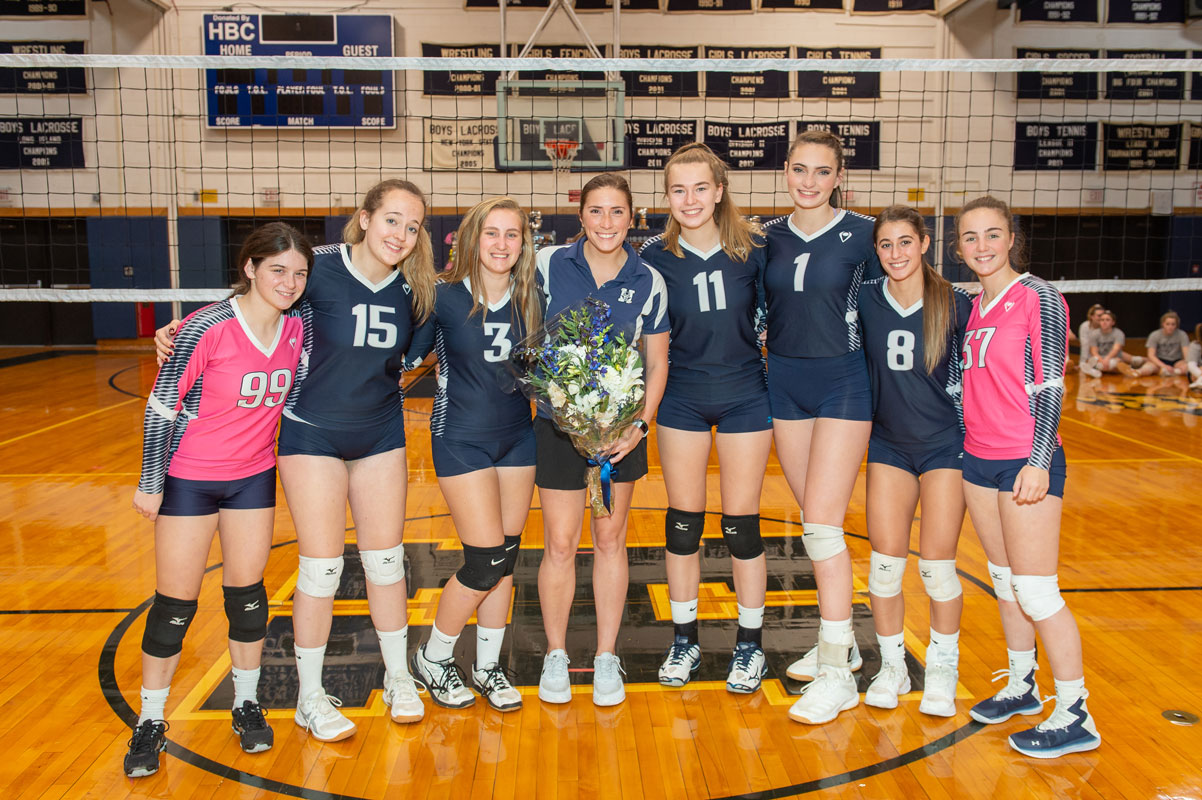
216 402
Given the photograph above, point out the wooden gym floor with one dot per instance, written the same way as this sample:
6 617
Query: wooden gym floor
78 575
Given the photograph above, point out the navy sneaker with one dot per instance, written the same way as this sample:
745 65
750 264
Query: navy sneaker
1068 730
748 666
682 660
149 739
1018 697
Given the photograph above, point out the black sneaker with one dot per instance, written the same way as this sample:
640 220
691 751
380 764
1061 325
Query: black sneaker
250 723
494 686
148 741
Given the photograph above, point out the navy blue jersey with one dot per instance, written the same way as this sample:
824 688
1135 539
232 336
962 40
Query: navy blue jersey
477 399
714 352
910 405
356 334
811 284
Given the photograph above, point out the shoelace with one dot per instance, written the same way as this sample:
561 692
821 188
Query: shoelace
408 689
607 668
496 678
451 679
677 653
252 717
1012 689
741 660
894 672
329 708
557 665
1061 717
144 735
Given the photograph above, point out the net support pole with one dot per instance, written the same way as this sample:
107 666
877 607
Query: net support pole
504 43
617 35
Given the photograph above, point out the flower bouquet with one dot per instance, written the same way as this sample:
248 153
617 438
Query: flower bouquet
589 380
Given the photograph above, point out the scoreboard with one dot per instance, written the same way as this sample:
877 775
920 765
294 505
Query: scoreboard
299 98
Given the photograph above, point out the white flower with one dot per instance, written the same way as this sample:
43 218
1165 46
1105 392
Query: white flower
573 388
558 398
606 418
586 404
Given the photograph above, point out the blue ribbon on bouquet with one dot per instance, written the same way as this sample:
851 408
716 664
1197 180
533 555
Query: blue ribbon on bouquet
607 471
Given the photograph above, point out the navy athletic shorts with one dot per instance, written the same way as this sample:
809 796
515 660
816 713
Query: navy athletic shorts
558 465
916 459
299 438
185 498
806 388
744 415
1000 474
459 457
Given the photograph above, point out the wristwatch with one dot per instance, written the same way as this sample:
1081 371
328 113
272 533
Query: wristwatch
641 424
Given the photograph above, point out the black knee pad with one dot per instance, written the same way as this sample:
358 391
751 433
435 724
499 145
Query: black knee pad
682 531
513 546
742 534
166 624
483 567
246 609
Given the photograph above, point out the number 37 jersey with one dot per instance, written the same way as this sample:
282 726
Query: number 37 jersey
216 402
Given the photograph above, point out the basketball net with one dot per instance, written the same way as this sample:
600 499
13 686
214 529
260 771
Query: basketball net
562 153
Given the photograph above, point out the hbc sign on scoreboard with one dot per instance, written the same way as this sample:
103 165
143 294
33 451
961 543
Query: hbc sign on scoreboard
299 98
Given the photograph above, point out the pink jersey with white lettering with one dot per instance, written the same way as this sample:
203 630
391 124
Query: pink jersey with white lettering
216 402
1014 353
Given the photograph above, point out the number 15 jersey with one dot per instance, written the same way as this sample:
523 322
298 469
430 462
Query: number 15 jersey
360 332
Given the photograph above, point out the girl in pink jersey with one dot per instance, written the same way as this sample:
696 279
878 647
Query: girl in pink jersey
208 463
1014 472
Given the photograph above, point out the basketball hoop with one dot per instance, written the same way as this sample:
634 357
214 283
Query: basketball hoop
561 152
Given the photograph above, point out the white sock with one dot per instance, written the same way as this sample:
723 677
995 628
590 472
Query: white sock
750 617
246 685
836 631
309 661
1069 692
488 645
154 701
394 647
1195 371
684 611
1021 663
944 648
893 648
440 647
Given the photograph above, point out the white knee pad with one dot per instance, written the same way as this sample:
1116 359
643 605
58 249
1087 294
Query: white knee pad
1001 581
822 541
319 577
1039 595
885 577
384 567
940 579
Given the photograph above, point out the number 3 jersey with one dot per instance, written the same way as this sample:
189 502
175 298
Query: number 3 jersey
1014 352
911 407
359 334
216 402
477 398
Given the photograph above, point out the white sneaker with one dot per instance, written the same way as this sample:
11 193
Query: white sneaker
442 679
318 714
939 690
747 667
891 681
1196 384
400 695
493 685
608 689
1090 369
1137 361
830 693
681 661
806 667
554 685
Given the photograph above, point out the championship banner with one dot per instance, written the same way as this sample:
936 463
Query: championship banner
1057 85
1141 146
1057 146
649 142
459 144
857 85
747 84
760 145
861 141
460 83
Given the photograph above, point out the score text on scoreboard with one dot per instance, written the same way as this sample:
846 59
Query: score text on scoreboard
299 98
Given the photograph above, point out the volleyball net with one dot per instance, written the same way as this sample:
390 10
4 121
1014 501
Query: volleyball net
136 178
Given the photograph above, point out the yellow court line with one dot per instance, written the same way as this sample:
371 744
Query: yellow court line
1124 438
72 420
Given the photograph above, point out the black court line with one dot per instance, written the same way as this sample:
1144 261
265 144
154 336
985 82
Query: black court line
107 676
115 387
19 611
31 358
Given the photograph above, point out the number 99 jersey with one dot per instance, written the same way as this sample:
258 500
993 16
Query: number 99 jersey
477 399
213 412
911 407
359 334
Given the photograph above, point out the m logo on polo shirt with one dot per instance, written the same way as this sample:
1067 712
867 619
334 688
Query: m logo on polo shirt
626 296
